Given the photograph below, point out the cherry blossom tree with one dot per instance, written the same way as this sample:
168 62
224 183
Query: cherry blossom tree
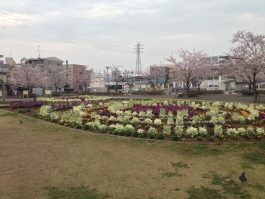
247 57
58 76
85 78
203 73
192 68
28 76
155 73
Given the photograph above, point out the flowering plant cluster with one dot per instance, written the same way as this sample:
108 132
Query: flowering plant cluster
150 118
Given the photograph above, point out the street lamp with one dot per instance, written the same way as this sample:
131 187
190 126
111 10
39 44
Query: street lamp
132 79
108 77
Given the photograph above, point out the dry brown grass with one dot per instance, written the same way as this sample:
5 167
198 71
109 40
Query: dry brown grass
37 154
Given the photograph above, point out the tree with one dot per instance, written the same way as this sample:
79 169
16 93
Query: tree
203 73
58 76
192 68
85 78
155 73
247 57
28 76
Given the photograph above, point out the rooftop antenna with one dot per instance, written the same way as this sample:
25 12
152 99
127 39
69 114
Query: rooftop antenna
10 53
38 51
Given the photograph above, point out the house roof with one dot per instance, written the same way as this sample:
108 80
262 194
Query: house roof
47 58
53 59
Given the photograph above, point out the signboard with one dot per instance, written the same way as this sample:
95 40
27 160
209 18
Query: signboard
48 92
26 93
37 91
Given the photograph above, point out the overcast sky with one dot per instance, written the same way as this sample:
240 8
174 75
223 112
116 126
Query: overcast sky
103 32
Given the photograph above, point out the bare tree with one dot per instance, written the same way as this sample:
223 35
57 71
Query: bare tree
155 73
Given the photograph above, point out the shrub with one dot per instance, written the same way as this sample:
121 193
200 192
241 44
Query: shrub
152 131
157 122
192 95
148 121
151 136
102 128
170 121
191 131
135 134
167 130
218 130
178 129
250 130
203 131
160 137
260 131
210 138
176 138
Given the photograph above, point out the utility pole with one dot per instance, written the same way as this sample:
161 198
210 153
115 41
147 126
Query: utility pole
138 69
38 51
107 67
114 68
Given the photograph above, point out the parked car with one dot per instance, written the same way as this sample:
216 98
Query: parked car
135 89
125 91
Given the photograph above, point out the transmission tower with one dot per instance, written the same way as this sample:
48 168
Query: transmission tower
138 69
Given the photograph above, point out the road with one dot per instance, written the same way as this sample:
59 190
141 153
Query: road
210 97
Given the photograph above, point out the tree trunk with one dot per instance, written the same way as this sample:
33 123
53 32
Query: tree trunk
249 87
255 91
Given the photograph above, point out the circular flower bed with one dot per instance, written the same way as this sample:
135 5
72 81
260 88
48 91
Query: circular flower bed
158 119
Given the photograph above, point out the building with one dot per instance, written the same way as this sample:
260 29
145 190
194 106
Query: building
98 85
5 70
10 61
43 62
73 71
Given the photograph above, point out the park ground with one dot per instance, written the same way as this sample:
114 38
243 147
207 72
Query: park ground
47 161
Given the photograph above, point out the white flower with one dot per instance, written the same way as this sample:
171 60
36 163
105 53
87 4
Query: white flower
191 131
157 122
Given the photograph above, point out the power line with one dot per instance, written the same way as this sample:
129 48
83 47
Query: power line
39 26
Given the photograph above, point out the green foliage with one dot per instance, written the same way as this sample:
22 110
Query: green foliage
9 114
255 157
180 165
204 193
135 134
229 185
175 138
151 136
160 136
80 192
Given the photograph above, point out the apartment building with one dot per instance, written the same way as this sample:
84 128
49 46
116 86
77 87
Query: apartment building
5 70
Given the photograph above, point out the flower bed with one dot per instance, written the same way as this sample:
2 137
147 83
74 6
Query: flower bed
159 119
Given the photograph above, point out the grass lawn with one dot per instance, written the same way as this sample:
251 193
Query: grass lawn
46 161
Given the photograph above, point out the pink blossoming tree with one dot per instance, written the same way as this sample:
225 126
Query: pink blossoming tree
28 76
193 67
58 76
247 58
